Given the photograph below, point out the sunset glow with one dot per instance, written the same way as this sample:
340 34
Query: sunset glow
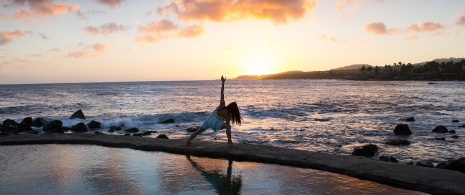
58 41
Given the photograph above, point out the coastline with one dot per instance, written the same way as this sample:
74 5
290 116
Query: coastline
429 180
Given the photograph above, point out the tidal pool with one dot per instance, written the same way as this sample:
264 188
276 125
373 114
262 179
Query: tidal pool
85 169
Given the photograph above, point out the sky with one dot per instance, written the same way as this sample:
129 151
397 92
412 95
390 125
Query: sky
68 41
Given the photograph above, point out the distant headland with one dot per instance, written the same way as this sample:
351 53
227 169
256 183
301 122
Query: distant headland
438 69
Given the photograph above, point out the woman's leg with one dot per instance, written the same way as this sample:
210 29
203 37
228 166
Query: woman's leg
228 132
197 132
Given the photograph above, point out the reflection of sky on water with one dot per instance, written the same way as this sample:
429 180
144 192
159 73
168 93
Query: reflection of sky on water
77 169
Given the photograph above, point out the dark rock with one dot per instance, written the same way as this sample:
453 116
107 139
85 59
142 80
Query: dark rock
26 122
440 138
111 130
192 129
458 165
402 129
168 121
388 159
455 121
54 126
66 128
80 127
440 129
441 165
455 136
23 128
397 142
462 126
425 164
162 136
411 163
93 125
367 150
410 119
115 128
451 131
9 122
142 133
152 131
39 122
98 132
78 114
132 130
127 134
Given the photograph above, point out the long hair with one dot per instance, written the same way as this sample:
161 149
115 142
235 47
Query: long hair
234 112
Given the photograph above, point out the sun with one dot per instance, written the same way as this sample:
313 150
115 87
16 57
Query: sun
259 65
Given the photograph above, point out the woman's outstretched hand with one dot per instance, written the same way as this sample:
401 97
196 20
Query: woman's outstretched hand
223 79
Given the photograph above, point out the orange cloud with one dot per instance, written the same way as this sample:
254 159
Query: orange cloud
332 39
377 28
156 31
90 51
40 8
105 29
191 31
461 20
341 5
278 11
411 38
110 3
6 37
426 26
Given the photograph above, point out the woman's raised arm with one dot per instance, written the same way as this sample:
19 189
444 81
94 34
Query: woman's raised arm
222 103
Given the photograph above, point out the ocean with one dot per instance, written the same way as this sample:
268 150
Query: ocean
330 116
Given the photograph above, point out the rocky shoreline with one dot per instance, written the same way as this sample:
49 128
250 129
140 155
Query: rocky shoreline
430 180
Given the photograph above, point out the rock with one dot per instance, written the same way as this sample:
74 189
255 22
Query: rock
462 126
98 132
115 128
26 122
39 122
440 138
192 129
451 131
111 130
440 129
78 114
388 159
54 126
162 136
78 128
367 150
402 129
425 164
9 122
93 125
397 142
142 133
168 121
152 131
455 136
66 128
410 119
458 165
455 121
127 134
132 130
441 165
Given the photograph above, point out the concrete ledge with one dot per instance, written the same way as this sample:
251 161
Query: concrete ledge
430 180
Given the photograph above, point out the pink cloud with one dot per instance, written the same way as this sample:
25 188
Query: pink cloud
377 28
411 38
110 3
461 20
425 27
191 31
41 8
156 31
90 51
8 36
278 11
105 29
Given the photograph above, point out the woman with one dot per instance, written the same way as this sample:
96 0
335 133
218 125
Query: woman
220 118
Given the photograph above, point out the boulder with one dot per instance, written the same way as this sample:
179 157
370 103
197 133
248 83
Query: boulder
127 134
132 130
26 122
162 136
462 126
168 121
192 129
98 132
402 129
78 128
39 122
458 165
9 122
440 129
451 131
455 136
93 125
367 150
455 121
115 128
54 126
388 159
425 164
397 142
78 114
410 119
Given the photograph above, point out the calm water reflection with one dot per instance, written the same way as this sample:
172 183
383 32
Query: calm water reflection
77 169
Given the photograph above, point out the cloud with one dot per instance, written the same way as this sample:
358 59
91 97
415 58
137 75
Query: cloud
332 39
105 29
110 3
191 31
411 38
44 36
461 20
41 8
90 51
426 27
6 37
156 31
343 4
278 11
377 28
